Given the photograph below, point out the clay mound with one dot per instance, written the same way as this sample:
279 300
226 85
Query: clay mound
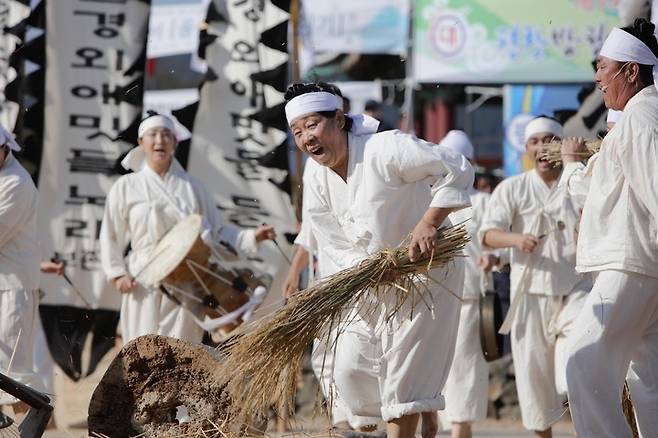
149 379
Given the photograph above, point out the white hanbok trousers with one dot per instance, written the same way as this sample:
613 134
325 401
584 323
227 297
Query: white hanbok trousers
18 313
617 327
147 311
467 387
539 336
389 368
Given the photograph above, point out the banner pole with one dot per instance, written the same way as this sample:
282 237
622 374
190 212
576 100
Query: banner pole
409 82
294 68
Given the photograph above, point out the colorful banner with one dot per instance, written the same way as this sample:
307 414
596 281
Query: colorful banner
94 83
523 103
356 26
494 41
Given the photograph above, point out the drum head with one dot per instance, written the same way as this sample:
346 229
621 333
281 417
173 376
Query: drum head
491 318
172 250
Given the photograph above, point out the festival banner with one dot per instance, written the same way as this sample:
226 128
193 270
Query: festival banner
239 145
356 26
493 41
94 76
12 13
521 104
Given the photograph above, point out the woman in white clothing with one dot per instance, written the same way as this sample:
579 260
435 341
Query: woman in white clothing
140 208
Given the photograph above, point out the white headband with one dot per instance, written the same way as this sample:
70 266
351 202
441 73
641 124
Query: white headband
621 46
155 122
8 139
458 141
542 124
308 103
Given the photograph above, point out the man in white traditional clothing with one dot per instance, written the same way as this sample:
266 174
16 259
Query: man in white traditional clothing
322 358
537 219
140 208
19 271
617 242
368 193
466 389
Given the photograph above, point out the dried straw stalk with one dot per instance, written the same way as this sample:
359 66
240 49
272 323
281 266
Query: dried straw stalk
263 364
553 151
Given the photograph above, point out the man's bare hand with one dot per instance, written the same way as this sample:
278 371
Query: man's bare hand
52 268
487 262
423 240
290 285
265 232
124 284
572 149
526 243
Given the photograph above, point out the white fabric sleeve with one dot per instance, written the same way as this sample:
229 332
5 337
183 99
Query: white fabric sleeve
114 235
242 240
449 172
575 179
638 157
14 201
329 234
500 211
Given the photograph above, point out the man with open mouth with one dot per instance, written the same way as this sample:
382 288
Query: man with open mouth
535 217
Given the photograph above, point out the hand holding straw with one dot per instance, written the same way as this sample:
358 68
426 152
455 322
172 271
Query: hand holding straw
264 362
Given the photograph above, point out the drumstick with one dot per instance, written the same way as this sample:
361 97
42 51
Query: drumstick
68 280
283 254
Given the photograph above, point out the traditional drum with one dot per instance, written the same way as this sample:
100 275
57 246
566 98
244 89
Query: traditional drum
181 268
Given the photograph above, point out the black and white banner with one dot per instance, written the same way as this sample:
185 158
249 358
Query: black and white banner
239 143
94 77
12 13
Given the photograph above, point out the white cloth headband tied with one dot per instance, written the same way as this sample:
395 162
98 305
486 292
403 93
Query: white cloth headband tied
155 122
8 139
319 101
540 125
621 46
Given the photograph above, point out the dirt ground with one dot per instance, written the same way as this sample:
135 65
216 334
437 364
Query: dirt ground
72 401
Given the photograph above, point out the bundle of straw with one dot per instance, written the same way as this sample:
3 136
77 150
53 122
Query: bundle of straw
262 365
553 151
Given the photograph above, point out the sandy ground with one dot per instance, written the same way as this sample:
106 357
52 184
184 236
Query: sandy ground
72 400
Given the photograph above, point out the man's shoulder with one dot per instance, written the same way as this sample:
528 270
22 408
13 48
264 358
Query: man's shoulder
15 178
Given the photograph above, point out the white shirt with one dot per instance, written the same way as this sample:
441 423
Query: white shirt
472 218
619 225
387 192
305 238
141 207
19 248
526 204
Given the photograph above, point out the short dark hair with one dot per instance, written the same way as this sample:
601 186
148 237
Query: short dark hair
643 30
314 87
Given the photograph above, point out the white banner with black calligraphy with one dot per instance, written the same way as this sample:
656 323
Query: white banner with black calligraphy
94 91
239 143
12 13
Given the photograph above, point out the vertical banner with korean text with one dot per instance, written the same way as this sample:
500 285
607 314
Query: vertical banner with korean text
94 92
239 143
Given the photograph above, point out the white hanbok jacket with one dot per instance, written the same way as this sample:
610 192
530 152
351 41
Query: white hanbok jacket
392 179
19 248
525 204
619 226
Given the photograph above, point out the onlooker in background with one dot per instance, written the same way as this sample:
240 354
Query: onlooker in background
466 390
19 271
536 218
